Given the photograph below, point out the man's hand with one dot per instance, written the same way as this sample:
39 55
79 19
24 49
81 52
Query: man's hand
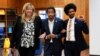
81 17
49 36
43 35
63 31
62 39
53 35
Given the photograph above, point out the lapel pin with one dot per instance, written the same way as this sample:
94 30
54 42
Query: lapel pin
56 21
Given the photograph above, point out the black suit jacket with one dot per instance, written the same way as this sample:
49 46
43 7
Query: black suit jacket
79 27
18 31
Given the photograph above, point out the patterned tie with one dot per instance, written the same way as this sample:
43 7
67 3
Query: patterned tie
69 30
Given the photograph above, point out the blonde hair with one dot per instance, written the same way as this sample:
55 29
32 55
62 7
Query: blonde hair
26 5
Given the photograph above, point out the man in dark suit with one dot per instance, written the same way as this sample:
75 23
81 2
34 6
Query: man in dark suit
74 41
52 28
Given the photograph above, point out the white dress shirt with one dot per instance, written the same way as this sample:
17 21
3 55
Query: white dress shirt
51 23
72 33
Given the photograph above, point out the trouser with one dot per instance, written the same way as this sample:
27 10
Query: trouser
71 49
26 51
52 50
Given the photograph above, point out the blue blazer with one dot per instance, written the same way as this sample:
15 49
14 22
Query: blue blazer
58 26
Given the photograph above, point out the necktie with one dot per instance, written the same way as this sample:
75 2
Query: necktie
69 30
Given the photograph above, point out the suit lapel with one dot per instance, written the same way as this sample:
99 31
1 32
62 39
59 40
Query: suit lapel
47 25
75 23
54 26
75 27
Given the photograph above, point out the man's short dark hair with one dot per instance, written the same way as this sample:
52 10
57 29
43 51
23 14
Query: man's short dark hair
51 8
69 6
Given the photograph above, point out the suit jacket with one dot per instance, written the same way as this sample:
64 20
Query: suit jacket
58 23
79 27
18 31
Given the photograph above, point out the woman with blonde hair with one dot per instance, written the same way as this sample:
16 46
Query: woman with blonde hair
26 31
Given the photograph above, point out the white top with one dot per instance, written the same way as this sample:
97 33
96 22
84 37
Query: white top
71 29
51 23
27 39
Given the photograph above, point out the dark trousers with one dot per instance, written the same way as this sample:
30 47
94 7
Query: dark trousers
71 49
26 51
52 50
